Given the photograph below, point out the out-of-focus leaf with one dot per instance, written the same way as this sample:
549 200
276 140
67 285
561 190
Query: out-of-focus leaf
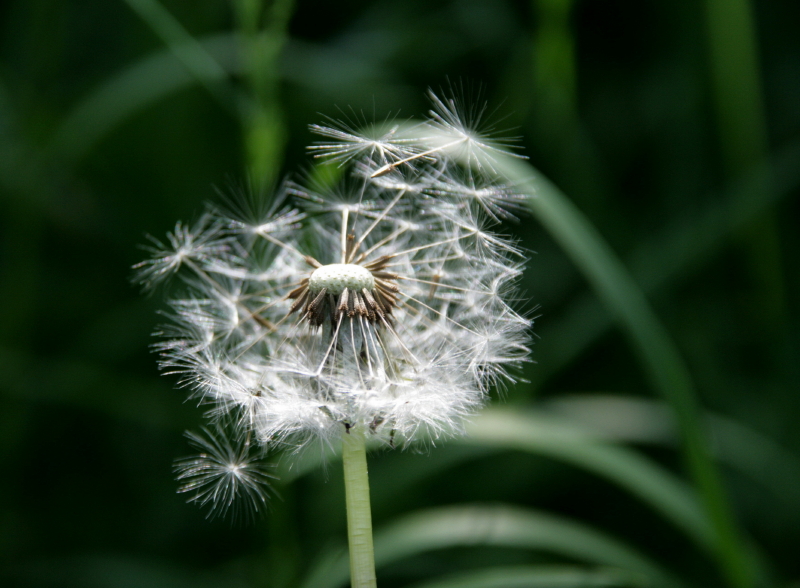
543 435
639 420
736 81
548 436
162 74
659 356
539 577
189 51
132 90
682 247
494 525
657 353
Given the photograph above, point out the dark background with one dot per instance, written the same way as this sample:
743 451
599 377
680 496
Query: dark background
651 116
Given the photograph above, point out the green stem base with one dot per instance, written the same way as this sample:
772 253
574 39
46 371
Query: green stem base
359 515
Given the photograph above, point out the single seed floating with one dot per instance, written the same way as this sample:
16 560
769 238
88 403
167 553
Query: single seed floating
334 278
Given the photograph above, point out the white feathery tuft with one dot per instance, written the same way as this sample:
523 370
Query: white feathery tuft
226 476
402 332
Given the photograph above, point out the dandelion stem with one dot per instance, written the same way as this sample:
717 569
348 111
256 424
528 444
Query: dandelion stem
359 516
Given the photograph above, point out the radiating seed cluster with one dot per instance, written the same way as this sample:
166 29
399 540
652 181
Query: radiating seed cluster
381 303
226 475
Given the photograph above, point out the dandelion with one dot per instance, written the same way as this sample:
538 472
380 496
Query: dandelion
375 311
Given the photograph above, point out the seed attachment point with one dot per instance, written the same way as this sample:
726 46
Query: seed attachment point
340 290
337 277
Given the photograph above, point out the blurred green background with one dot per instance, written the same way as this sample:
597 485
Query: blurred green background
673 126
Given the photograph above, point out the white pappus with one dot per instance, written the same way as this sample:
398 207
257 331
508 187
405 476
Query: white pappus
383 305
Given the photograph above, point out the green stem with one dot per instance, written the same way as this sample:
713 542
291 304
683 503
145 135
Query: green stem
200 64
263 27
742 128
359 517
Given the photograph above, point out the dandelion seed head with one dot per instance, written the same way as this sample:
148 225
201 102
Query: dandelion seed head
383 304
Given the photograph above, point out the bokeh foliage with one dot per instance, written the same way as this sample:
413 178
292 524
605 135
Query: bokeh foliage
671 126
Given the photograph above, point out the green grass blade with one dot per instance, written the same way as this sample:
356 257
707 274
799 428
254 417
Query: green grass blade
263 28
131 91
743 143
554 69
685 246
657 353
502 429
736 84
199 62
498 526
541 435
638 420
163 74
541 576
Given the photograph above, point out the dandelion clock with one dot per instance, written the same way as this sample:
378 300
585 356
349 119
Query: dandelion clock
375 311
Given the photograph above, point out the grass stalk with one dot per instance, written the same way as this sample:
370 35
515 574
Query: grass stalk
657 352
742 132
263 34
191 53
